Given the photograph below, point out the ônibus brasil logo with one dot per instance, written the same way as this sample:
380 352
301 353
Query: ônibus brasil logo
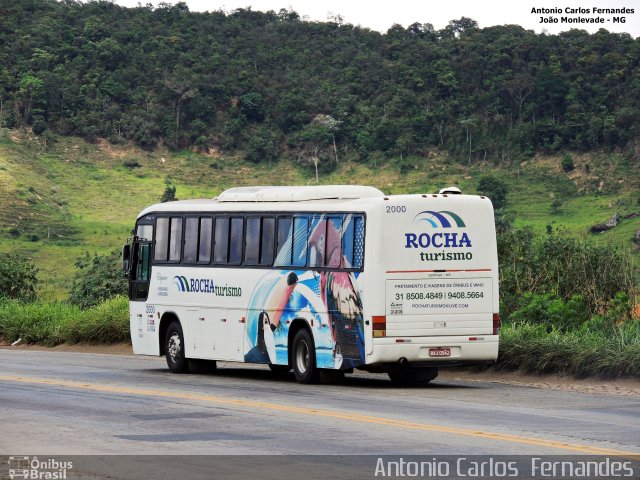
205 285
444 220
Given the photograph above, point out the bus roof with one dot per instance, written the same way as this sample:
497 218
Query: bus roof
298 194
293 198
264 195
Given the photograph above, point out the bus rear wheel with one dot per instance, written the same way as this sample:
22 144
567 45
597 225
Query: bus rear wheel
303 358
174 349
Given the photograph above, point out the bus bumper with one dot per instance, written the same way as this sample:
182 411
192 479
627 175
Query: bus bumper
430 350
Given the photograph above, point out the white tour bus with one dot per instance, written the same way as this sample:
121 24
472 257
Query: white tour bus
319 277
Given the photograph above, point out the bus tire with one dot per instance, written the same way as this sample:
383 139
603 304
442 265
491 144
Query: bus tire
413 376
174 348
303 358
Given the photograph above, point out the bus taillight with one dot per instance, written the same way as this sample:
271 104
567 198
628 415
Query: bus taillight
496 324
379 325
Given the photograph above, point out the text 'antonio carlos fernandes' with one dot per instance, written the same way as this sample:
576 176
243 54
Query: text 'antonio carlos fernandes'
488 467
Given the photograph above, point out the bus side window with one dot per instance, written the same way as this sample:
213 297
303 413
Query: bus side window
162 239
175 239
252 247
348 238
284 245
191 239
318 241
221 245
206 230
300 236
145 232
267 240
358 245
333 242
236 240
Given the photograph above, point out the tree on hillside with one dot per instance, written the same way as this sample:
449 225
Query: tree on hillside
495 189
31 90
18 277
330 125
315 139
169 194
98 278
182 89
263 145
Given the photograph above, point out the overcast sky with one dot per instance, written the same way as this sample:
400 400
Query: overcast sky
380 15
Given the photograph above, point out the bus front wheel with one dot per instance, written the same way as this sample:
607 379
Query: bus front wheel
304 358
174 349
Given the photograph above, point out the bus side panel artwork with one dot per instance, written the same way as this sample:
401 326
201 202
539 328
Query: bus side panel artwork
328 302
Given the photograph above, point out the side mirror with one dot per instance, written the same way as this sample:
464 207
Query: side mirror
126 255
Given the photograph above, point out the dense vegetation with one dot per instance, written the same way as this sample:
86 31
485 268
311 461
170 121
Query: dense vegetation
18 278
270 84
99 278
567 306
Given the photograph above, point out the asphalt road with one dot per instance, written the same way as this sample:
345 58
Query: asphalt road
54 403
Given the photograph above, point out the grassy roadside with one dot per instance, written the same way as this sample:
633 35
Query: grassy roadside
529 348
53 323
532 349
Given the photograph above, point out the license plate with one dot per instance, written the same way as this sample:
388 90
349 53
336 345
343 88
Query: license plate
440 352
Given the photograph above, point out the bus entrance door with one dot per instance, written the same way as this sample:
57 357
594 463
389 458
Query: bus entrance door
143 323
140 270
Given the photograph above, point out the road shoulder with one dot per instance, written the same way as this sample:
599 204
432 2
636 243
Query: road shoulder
622 386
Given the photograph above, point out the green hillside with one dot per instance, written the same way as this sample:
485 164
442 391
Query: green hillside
74 196
100 104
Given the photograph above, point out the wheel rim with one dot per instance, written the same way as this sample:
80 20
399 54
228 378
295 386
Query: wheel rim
174 347
302 356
